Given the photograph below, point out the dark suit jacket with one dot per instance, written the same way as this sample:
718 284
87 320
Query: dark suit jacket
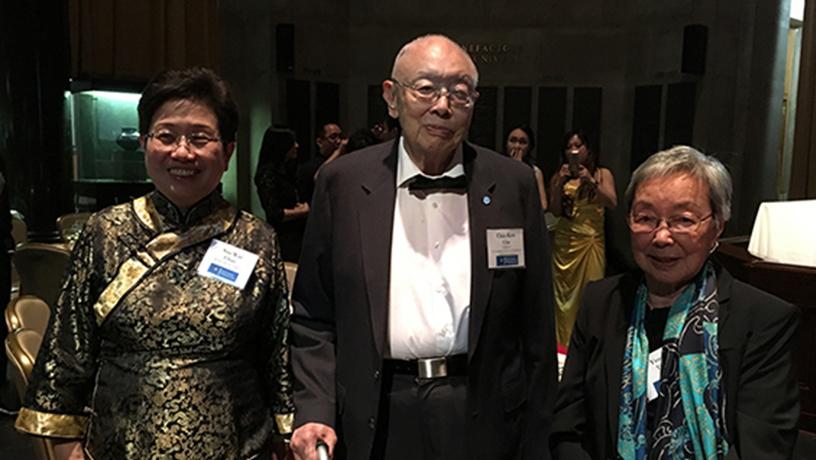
756 335
339 325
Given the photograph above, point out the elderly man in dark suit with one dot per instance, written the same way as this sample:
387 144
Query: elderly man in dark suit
423 323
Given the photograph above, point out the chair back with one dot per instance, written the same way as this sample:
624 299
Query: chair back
28 312
22 347
69 225
40 267
19 229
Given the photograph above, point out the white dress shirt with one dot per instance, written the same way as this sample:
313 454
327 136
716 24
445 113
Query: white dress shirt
429 292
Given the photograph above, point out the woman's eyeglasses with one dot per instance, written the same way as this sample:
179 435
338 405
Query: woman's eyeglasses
193 141
677 225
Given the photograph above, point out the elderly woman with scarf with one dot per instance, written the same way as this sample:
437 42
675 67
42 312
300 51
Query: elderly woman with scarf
678 359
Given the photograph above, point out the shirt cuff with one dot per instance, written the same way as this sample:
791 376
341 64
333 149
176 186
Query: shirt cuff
285 423
51 425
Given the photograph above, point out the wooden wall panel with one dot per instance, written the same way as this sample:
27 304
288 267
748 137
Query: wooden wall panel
587 107
518 101
95 38
377 110
483 127
645 123
132 44
126 40
552 112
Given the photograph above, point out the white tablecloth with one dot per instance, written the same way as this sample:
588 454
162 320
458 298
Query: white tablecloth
785 232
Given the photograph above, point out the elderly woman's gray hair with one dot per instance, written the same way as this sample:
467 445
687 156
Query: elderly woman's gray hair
684 159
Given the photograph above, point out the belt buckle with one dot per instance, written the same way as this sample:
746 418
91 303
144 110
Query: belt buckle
432 368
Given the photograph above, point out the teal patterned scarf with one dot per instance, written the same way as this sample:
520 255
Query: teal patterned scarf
689 420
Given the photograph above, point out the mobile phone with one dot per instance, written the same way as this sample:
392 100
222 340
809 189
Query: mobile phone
573 164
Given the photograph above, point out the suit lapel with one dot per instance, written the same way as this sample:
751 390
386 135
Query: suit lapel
621 304
481 186
376 218
724 281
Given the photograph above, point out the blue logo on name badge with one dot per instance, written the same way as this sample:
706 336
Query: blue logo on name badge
222 272
503 261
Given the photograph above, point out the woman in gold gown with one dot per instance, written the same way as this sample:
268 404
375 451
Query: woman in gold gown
579 193
168 339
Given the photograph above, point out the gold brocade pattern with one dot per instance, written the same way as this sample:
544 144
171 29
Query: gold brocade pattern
52 425
285 423
160 247
168 364
129 274
578 258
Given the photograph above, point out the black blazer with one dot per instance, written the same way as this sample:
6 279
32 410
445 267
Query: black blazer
756 334
339 324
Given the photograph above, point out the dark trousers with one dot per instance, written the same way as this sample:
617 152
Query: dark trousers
421 419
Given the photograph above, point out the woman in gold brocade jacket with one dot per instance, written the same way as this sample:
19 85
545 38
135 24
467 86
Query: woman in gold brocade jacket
168 339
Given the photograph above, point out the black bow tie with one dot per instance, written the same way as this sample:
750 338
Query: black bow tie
420 182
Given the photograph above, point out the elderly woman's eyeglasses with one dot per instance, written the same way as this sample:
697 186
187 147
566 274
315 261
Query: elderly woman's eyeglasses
193 141
678 225
427 91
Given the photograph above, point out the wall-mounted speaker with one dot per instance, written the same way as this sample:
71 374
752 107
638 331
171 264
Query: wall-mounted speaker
695 42
285 47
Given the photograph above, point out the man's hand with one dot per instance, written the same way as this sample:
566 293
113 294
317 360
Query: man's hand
302 209
305 438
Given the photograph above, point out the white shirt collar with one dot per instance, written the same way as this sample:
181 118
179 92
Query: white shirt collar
406 169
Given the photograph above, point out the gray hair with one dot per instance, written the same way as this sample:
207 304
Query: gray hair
683 159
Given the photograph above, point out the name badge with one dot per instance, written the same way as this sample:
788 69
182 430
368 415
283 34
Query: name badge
227 263
653 374
505 248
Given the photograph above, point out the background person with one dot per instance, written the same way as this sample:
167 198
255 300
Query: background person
579 193
144 357
519 144
276 181
329 141
678 359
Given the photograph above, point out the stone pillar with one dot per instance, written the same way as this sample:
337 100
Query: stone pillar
764 113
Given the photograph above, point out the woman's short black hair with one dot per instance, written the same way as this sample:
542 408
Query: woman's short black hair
194 84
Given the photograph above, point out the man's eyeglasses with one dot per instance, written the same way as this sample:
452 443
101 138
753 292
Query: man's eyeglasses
459 94
194 141
678 225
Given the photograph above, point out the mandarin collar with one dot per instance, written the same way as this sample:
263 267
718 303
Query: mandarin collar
173 216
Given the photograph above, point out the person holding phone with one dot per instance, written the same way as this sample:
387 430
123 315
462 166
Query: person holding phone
579 193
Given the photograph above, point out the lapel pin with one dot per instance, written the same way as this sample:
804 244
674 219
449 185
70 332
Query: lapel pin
486 200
